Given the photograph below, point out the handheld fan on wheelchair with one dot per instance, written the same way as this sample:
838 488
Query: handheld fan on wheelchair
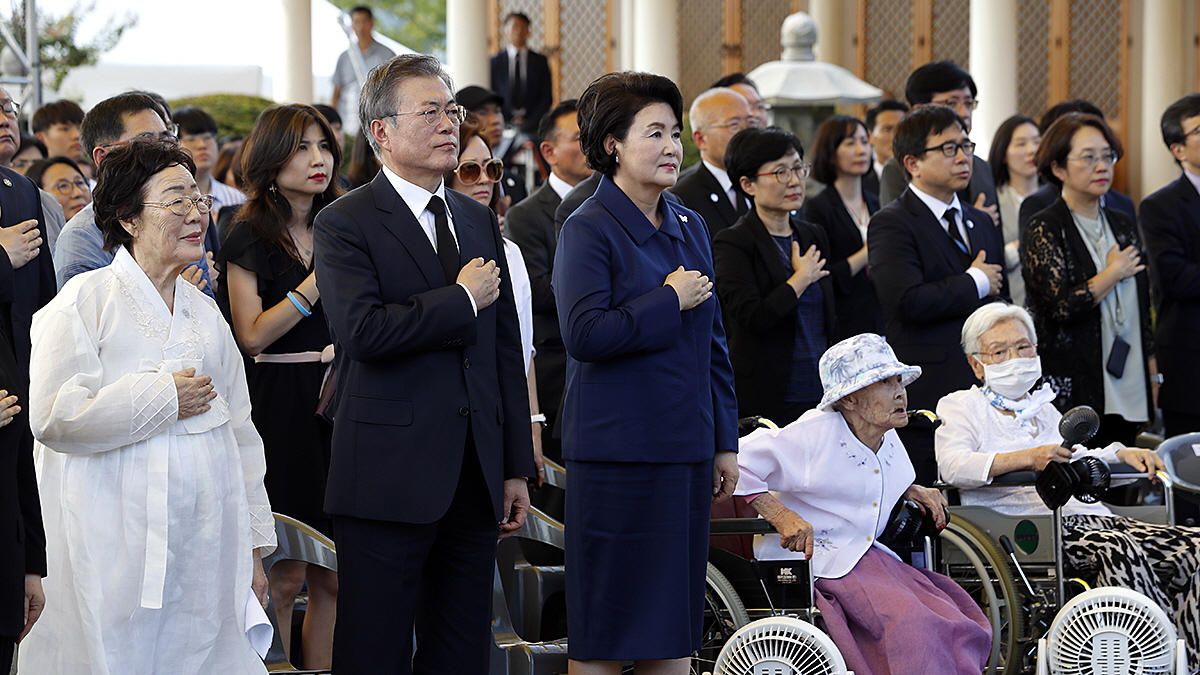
1084 479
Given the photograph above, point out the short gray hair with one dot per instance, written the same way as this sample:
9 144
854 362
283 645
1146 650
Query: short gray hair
700 115
986 317
379 98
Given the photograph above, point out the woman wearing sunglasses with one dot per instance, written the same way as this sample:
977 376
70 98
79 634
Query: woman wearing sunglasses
289 172
772 281
478 176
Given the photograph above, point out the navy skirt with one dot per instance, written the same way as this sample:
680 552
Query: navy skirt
637 551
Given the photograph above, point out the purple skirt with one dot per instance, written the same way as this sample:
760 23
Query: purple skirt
888 618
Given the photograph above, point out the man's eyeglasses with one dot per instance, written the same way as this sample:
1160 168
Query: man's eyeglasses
183 205
204 137
950 148
968 103
65 187
734 125
1089 160
456 114
170 135
11 108
1025 350
785 175
22 163
472 172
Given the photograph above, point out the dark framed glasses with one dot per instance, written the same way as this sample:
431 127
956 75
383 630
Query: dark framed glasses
474 172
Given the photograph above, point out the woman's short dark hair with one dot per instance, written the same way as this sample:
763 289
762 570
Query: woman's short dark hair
193 120
1056 142
121 184
608 106
914 129
39 168
749 149
998 155
830 135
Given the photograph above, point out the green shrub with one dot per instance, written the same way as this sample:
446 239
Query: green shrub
235 113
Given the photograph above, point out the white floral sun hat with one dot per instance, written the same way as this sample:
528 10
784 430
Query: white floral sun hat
859 362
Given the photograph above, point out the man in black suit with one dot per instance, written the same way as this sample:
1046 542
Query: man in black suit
943 83
531 225
934 259
431 443
1048 193
1170 220
715 116
881 126
521 76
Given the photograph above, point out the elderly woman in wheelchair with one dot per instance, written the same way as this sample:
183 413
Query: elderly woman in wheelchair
827 483
1007 425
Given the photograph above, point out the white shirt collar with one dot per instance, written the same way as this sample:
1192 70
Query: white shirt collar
560 186
878 167
512 52
415 196
937 206
721 175
1194 178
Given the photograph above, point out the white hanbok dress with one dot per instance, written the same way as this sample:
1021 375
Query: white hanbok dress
150 520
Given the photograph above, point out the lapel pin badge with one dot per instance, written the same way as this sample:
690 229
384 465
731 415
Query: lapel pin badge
713 197
7 183
683 218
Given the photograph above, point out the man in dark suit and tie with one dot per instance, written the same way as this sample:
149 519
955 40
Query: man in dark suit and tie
934 260
1170 220
521 76
530 224
431 442
715 116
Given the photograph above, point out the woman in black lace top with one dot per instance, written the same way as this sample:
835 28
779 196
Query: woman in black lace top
1086 285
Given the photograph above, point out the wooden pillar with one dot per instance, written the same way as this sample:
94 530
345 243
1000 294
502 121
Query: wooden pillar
860 40
494 27
731 37
552 44
922 33
1060 52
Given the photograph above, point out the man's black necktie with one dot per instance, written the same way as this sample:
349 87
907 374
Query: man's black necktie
949 217
518 85
447 250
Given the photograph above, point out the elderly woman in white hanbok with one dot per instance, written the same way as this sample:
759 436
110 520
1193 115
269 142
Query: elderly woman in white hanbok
828 482
1007 425
150 471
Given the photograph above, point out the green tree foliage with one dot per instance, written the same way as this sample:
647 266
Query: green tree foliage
235 113
60 47
417 24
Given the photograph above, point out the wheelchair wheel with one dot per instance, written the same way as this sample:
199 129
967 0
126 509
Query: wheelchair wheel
724 613
974 562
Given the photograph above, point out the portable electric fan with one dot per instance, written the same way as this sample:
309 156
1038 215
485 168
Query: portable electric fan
780 645
1111 631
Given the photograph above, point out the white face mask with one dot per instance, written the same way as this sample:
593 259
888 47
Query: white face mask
1013 378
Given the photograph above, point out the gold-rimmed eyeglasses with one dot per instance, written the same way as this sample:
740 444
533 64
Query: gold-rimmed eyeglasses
183 205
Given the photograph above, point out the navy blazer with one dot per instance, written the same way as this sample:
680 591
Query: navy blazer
22 539
645 381
25 290
417 369
925 291
539 90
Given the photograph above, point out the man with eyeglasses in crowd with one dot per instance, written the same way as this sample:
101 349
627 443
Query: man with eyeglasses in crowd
934 258
749 91
944 83
198 137
705 187
113 122
431 438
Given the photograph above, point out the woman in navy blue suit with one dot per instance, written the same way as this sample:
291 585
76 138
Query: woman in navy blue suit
649 418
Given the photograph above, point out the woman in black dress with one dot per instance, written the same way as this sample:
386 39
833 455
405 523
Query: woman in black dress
289 167
771 279
841 157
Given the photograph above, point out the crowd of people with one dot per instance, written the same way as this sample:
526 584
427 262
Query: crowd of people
194 336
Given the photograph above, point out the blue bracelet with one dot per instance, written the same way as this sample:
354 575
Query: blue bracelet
299 307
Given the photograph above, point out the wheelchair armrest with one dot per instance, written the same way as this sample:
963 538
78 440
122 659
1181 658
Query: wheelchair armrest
723 526
1015 478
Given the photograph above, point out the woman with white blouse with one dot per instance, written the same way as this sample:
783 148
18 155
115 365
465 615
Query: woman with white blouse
827 483
1007 425
151 473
